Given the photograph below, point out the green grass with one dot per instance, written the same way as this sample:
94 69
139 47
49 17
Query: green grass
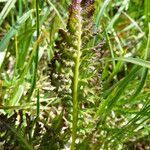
81 83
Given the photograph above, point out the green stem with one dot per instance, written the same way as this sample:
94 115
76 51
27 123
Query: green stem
146 12
75 85
20 8
35 69
38 32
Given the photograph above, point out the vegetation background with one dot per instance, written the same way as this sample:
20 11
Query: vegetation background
78 81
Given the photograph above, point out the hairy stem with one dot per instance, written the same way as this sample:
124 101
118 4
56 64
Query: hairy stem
75 83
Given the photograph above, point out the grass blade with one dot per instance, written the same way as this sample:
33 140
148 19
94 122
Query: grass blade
133 22
13 30
115 94
100 15
145 70
18 136
101 12
37 52
136 61
6 10
114 19
57 12
146 11
13 101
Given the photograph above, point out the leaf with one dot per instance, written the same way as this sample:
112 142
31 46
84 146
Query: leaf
7 127
101 12
77 64
132 126
133 22
17 96
13 100
145 70
57 123
6 10
136 61
13 30
2 56
57 12
114 19
108 103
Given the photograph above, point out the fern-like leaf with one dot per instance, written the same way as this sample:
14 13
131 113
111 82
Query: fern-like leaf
75 67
